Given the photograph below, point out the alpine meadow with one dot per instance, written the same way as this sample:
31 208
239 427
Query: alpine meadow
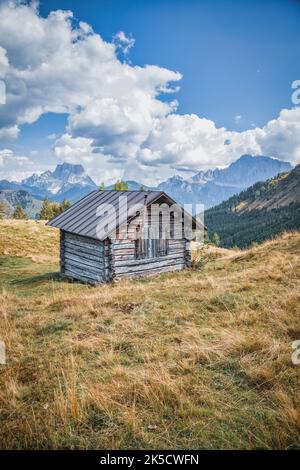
149 233
195 359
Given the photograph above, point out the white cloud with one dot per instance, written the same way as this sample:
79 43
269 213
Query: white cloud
52 136
57 67
123 43
281 137
5 154
237 118
14 166
118 124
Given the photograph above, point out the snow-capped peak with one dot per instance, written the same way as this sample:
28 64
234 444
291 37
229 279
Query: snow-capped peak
64 177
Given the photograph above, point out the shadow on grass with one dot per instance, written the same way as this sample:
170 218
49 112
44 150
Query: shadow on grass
52 276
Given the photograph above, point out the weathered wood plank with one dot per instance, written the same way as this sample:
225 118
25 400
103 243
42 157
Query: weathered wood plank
99 264
176 250
174 241
79 244
83 255
77 259
83 244
80 238
151 272
145 261
80 277
125 256
83 249
84 267
84 273
148 266
124 251
122 246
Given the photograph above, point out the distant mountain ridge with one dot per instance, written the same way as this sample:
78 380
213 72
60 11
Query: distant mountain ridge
214 186
66 180
258 213
245 171
70 181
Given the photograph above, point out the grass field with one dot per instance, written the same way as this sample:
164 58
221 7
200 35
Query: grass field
196 359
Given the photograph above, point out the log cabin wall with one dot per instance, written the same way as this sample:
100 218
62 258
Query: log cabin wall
83 258
126 262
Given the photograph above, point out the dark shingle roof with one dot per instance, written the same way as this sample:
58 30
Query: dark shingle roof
82 218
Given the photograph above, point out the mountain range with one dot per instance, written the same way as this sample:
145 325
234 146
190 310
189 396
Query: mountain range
214 186
70 181
258 213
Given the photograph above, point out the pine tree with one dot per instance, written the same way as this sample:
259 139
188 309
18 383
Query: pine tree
52 209
206 237
46 210
121 186
64 205
102 187
142 188
19 213
55 209
215 239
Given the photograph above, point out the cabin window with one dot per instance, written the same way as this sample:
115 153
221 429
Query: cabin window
141 247
145 247
161 244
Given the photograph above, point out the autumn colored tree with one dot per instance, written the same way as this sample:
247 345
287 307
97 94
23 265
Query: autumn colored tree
3 210
52 209
64 205
19 213
121 186
46 210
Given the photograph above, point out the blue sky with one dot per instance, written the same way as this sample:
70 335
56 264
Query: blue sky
237 60
236 57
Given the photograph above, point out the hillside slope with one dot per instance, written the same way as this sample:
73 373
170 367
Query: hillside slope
195 359
259 213
12 199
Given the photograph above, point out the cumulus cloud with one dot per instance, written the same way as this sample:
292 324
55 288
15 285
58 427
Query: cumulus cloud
123 42
191 141
53 65
14 166
118 123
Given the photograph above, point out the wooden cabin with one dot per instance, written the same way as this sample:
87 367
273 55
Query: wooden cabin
109 235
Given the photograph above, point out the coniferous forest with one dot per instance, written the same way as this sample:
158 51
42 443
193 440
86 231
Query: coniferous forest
259 213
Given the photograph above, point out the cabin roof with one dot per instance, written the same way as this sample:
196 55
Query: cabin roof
82 219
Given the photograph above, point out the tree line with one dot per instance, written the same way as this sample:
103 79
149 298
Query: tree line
51 209
243 228
48 210
256 225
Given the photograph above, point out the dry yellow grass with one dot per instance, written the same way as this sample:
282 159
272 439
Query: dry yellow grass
196 359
